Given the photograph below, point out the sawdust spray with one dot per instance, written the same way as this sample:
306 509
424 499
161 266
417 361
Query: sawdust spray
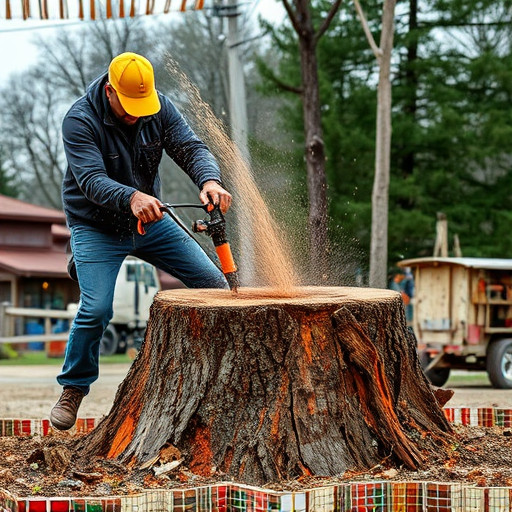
270 259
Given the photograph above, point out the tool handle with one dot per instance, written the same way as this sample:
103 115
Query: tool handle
140 228
166 207
226 258
187 205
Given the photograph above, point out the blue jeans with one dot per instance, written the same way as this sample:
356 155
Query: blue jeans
98 257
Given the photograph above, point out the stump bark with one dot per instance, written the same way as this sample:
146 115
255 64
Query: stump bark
266 388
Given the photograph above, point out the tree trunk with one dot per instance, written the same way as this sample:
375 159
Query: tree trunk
302 22
314 143
380 194
315 157
411 87
264 388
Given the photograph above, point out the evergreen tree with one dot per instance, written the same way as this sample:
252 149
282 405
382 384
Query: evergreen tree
452 122
459 129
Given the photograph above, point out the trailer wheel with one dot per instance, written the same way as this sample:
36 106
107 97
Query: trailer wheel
436 376
499 363
109 341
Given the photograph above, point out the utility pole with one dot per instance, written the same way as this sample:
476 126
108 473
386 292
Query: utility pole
237 98
238 121
441 243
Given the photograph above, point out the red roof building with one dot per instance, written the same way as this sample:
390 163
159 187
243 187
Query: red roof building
33 261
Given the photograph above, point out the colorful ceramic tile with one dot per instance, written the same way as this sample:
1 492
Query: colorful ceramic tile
114 505
60 505
369 496
499 417
205 498
260 501
449 413
442 497
36 505
507 417
499 499
300 502
274 502
474 499
322 500
485 417
406 496
8 428
133 503
26 427
465 415
221 497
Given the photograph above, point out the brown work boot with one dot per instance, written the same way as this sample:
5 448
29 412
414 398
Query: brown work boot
63 415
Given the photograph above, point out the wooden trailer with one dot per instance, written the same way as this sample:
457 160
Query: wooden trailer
463 316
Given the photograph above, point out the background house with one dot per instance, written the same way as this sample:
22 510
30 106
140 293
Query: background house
33 261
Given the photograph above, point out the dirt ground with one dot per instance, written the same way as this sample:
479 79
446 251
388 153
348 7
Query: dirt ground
28 392
47 466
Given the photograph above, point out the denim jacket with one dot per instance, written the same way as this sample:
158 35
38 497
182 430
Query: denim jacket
108 162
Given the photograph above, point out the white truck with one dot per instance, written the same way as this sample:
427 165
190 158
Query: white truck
463 316
136 285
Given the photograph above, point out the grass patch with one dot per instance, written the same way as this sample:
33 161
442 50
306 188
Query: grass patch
39 357
469 378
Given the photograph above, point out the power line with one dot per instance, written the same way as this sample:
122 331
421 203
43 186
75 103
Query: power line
43 25
251 10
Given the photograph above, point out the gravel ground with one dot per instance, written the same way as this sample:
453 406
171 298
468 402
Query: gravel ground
30 391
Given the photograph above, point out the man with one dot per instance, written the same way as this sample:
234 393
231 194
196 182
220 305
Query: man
114 138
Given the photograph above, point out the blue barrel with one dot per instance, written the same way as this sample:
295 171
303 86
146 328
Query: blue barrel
34 327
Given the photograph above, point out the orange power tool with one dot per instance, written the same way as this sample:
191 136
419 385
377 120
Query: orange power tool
215 227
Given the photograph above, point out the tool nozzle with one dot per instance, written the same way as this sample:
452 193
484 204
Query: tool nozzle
233 282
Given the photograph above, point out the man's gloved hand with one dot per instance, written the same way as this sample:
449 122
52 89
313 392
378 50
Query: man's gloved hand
213 192
145 207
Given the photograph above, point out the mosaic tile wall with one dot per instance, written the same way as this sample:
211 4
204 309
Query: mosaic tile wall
16 427
479 417
350 497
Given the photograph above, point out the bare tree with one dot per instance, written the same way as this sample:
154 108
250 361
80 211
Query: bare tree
73 59
31 132
299 12
197 44
380 194
31 113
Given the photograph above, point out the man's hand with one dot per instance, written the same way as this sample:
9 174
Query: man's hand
214 193
145 207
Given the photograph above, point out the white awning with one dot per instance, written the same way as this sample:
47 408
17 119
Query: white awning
483 263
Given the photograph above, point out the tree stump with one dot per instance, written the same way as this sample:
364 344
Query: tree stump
266 388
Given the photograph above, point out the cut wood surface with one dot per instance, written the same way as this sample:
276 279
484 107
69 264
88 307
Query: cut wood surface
262 387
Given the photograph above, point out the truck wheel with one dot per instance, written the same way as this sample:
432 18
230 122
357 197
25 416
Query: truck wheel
436 376
499 363
109 341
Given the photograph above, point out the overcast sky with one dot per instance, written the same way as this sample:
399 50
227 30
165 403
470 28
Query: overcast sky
18 52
